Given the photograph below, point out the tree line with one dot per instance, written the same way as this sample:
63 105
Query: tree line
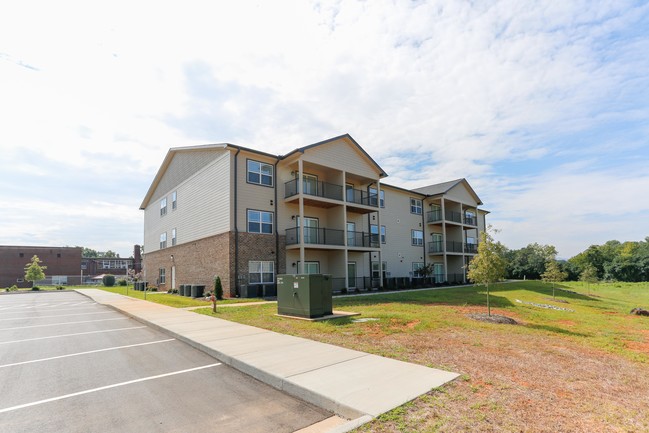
615 260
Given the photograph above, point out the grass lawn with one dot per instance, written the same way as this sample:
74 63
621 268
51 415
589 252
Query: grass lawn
586 369
172 300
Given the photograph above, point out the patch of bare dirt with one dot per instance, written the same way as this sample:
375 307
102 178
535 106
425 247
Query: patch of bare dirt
519 382
494 318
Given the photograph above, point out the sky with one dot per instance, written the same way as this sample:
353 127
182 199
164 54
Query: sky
542 106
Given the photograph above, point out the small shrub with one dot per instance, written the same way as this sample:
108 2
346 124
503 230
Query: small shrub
60 288
13 288
152 288
35 288
122 282
108 280
218 288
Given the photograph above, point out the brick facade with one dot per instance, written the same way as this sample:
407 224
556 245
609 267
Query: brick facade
196 262
59 261
254 246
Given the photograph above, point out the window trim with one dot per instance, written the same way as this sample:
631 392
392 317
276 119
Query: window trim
417 242
272 175
310 262
163 240
261 223
261 274
173 236
174 200
162 276
163 206
383 234
420 207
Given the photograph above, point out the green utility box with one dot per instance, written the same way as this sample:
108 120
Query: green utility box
304 295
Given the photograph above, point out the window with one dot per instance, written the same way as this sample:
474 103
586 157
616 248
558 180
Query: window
163 207
311 267
174 201
382 234
173 237
261 272
374 231
415 206
162 279
260 222
376 271
163 240
21 254
417 237
260 173
416 266
373 197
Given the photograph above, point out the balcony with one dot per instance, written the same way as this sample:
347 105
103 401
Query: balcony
362 240
471 248
437 247
355 197
435 216
470 220
314 188
316 236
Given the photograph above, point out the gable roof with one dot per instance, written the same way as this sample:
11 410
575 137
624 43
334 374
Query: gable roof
349 138
444 187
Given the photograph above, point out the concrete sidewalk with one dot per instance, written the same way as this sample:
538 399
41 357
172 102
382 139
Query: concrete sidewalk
352 384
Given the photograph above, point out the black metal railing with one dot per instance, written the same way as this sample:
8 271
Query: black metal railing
315 236
454 216
314 188
454 247
470 220
471 248
436 247
359 196
455 278
434 216
362 239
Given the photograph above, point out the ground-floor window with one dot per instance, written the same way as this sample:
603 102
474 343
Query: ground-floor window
311 267
438 272
261 272
416 266
376 272
162 279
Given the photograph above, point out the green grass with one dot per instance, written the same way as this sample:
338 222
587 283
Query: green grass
171 300
601 320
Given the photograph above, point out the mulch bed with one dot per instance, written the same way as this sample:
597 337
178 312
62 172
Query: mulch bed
494 318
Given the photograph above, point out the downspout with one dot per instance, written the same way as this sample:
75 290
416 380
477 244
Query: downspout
236 229
423 226
276 219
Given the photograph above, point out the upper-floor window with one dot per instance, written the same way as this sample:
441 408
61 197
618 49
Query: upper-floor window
417 237
163 240
260 222
174 200
260 173
163 206
374 196
173 236
415 206
383 234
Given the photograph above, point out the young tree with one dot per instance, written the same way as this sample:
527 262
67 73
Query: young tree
218 288
553 274
588 276
34 270
489 265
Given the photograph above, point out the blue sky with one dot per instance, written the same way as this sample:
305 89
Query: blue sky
542 106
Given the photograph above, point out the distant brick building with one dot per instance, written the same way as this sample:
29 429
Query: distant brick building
63 264
94 266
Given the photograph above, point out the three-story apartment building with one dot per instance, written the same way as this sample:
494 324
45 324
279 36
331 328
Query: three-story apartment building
247 215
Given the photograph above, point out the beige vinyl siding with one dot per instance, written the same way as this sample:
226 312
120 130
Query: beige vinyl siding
461 194
202 206
398 251
342 155
183 166
250 195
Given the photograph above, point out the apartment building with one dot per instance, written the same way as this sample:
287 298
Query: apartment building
244 215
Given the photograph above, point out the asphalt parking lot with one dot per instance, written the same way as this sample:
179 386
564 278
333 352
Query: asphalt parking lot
68 364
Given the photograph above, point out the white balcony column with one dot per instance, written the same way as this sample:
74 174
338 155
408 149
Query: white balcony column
345 237
300 229
378 223
444 238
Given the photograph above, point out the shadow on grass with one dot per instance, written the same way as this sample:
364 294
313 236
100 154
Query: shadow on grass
556 330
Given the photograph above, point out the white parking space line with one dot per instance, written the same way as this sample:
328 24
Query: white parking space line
62 309
86 353
102 388
63 323
57 315
47 306
72 335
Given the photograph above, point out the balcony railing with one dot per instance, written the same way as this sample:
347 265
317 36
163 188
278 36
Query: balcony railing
314 188
470 220
315 236
359 196
362 239
434 216
451 247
